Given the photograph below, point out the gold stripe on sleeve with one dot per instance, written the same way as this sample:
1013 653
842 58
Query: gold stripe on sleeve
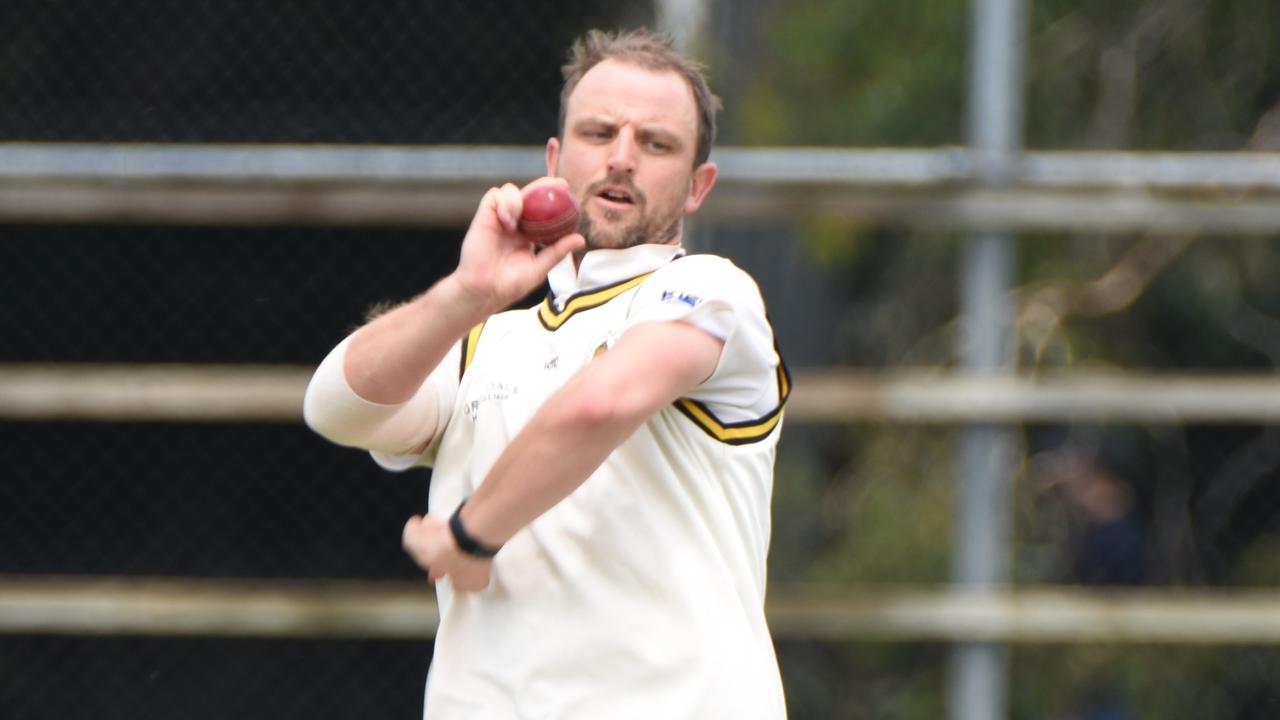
469 348
739 433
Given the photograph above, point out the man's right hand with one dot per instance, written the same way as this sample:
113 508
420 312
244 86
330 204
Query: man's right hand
499 265
389 357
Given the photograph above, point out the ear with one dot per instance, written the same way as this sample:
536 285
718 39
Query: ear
553 156
704 177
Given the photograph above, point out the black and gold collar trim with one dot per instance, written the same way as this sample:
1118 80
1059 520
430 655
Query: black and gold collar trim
552 320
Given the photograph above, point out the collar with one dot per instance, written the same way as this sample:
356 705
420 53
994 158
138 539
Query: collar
606 267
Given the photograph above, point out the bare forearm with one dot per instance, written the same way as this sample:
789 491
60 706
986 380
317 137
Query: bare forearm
555 453
389 358
577 429
565 442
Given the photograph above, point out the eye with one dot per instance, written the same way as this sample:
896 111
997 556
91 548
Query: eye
658 146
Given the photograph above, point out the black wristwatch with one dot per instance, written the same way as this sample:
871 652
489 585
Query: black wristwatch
466 543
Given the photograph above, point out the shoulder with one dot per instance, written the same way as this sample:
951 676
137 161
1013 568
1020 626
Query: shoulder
505 322
695 278
491 332
704 265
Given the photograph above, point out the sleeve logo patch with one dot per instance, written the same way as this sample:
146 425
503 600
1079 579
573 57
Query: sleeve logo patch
678 297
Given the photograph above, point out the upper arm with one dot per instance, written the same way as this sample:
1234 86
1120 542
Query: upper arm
650 366
695 330
719 298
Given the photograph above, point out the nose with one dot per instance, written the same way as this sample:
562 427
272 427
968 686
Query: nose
622 154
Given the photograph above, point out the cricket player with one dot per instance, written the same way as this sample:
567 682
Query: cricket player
598 515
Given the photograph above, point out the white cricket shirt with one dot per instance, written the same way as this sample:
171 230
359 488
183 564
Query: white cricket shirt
641 595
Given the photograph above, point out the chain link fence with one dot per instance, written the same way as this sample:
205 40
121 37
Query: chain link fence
233 500
250 501
210 678
330 71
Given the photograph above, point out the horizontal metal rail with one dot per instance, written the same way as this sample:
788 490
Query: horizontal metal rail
1068 395
389 185
211 608
153 393
114 606
230 393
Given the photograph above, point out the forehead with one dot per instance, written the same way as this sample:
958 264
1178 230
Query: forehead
620 91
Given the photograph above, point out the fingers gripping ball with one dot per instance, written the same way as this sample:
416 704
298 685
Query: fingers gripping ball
550 212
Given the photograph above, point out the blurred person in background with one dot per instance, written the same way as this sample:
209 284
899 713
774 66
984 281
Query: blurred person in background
1108 543
603 462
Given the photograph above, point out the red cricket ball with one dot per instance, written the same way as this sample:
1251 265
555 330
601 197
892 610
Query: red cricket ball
550 212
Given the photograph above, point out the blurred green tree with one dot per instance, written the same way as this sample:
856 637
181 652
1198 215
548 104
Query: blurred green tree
1169 75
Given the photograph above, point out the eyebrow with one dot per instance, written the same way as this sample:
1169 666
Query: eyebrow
647 132
661 134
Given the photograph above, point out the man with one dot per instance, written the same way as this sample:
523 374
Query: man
599 506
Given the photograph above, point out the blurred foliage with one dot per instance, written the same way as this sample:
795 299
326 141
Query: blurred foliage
1154 74
1167 682
1138 74
870 505
889 681
862 681
1155 302
897 501
877 72
857 73
842 521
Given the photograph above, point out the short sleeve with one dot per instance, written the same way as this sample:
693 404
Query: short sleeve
714 295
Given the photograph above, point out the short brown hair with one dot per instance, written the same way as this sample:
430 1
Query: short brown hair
651 51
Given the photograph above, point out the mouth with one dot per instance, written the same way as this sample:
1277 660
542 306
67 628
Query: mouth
616 198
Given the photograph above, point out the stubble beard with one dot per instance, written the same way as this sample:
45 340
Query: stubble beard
647 229
644 231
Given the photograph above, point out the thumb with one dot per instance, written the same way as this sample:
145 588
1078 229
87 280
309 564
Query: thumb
554 253
410 527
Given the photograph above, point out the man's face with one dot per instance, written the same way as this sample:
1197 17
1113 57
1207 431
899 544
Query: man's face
629 139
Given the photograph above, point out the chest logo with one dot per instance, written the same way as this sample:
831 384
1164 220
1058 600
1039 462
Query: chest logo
490 393
679 297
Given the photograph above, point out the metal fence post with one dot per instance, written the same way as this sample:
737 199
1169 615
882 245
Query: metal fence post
981 555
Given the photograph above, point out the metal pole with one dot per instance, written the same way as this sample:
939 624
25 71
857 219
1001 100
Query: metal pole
684 20
978 683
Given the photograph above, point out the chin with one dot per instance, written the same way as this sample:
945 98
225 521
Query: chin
612 239
607 243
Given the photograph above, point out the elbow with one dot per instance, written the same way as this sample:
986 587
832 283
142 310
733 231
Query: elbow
609 405
340 420
331 409
595 411
323 406
323 416
335 412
